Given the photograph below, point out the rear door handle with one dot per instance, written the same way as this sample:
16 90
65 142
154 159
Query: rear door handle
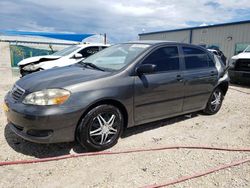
179 78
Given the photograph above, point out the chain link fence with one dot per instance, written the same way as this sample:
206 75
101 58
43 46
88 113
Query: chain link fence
20 52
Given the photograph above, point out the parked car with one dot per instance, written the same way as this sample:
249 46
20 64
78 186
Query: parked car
67 56
219 54
122 86
239 71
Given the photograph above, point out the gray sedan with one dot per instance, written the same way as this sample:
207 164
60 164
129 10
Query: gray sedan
122 86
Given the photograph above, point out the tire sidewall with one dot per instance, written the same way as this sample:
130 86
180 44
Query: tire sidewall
83 128
209 109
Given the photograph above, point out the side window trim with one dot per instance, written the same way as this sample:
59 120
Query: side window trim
181 58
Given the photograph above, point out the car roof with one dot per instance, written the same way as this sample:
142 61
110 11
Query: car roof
160 42
212 50
92 44
151 42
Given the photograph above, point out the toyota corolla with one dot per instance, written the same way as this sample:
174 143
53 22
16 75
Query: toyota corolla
122 86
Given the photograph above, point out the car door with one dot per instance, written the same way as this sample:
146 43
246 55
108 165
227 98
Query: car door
159 94
200 77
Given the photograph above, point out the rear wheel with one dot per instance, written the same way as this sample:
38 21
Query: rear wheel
100 128
214 102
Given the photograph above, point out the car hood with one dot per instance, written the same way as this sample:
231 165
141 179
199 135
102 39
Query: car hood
58 63
37 59
59 77
244 55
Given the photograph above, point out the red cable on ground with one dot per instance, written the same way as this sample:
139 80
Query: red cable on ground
5 163
212 170
182 179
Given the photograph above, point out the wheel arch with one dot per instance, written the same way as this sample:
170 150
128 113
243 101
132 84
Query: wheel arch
113 102
224 87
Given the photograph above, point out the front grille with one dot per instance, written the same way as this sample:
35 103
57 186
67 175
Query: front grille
243 65
17 92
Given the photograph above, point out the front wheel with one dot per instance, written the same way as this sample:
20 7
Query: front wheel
100 128
214 102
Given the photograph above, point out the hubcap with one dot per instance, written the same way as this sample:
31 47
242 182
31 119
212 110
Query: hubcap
103 129
216 100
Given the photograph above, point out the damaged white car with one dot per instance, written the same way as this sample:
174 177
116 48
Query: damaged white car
67 56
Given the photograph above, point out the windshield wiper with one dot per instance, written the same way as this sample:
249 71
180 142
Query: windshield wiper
92 66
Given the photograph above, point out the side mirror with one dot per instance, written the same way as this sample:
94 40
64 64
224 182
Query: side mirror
77 56
146 68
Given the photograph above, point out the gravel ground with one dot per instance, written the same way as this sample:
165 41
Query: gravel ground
229 128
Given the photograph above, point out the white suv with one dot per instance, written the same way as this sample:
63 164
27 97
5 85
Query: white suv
67 56
239 70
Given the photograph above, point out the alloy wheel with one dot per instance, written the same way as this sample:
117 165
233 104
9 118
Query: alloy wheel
104 128
216 100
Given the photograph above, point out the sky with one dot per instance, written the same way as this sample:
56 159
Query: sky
121 20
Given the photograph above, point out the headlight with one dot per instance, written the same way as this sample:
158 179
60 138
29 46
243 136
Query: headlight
47 97
232 63
31 67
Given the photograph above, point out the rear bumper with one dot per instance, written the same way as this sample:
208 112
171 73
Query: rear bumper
239 76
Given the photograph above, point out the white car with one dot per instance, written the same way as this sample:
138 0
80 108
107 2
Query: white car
243 55
239 71
67 56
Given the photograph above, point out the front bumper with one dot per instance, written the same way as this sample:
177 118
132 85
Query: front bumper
42 124
239 76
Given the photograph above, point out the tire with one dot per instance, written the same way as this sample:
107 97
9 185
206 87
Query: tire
101 128
215 101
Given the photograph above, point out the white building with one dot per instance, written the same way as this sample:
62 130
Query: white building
231 38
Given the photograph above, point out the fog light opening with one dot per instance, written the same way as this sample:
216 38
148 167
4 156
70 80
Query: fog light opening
39 133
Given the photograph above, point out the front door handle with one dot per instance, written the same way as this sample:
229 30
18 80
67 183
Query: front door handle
179 78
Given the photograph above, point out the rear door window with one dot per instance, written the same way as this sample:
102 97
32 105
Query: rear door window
196 58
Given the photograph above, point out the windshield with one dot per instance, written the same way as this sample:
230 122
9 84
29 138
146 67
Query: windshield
116 57
66 51
247 49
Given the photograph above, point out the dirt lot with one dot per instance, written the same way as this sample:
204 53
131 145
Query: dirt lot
229 128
